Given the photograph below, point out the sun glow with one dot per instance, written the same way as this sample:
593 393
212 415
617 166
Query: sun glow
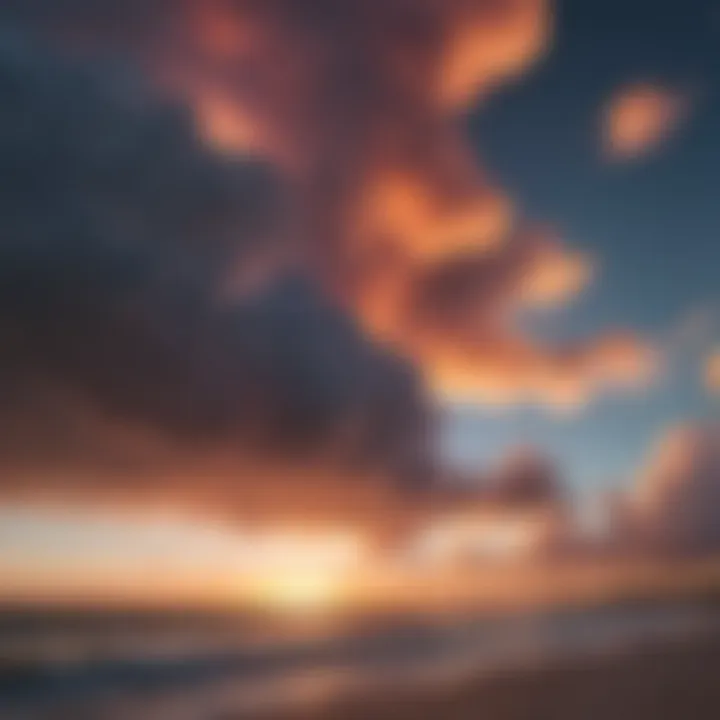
299 592
300 571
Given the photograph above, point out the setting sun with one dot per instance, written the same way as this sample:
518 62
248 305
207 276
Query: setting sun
301 592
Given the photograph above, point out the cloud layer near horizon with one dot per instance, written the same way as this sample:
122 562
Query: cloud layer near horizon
674 507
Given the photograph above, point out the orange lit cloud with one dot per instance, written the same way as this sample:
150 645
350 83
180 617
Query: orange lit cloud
359 104
641 117
463 323
402 225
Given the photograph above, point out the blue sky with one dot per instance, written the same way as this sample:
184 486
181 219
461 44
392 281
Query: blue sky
653 224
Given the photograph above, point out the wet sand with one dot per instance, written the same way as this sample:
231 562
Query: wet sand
678 680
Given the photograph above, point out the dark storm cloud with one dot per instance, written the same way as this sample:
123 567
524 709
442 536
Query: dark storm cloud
118 225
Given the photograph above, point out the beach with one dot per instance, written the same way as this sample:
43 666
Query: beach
635 659
678 680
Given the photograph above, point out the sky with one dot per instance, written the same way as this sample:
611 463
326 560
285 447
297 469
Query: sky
313 259
653 223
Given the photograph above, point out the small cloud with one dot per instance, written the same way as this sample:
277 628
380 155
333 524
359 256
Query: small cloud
639 118
712 372
527 477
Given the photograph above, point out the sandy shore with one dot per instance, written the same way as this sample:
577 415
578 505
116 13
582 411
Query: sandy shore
677 680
